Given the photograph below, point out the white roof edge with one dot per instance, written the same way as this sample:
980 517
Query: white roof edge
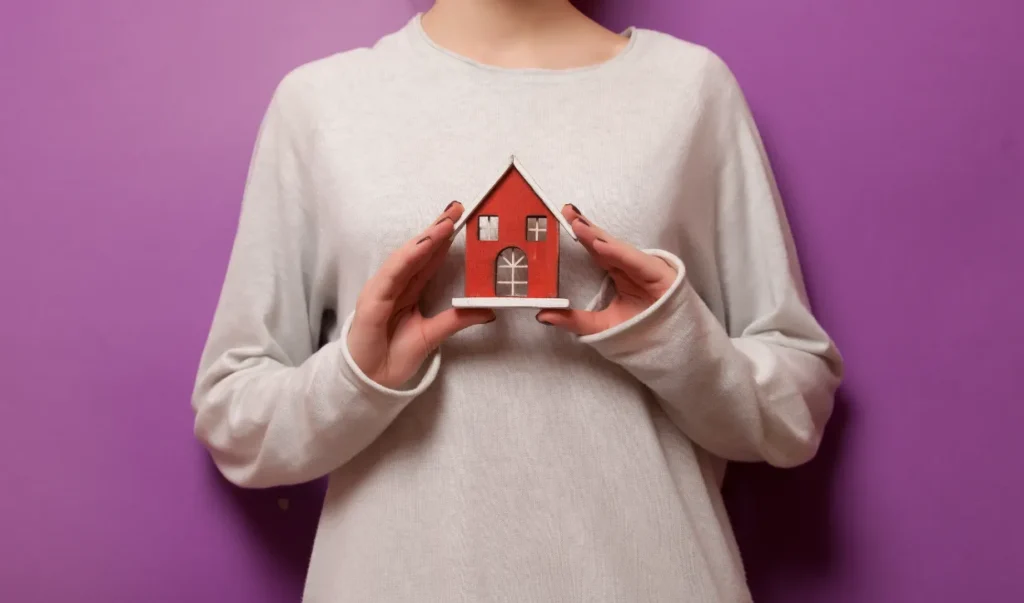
472 206
513 162
544 199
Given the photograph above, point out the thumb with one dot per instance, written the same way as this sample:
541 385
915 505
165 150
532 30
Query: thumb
580 322
442 326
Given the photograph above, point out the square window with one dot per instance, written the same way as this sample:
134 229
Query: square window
536 228
487 228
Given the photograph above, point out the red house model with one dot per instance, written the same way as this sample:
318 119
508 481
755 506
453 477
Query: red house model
512 245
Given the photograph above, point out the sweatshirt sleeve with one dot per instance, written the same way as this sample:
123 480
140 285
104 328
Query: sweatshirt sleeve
758 383
271 408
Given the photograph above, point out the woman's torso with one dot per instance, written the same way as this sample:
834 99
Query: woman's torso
532 470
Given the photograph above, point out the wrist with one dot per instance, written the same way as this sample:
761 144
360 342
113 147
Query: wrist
366 380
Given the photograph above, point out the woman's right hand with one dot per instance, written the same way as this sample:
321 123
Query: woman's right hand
389 338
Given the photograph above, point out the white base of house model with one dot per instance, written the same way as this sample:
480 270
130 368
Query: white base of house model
510 302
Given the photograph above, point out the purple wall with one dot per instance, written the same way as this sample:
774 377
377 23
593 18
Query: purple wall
896 132
125 129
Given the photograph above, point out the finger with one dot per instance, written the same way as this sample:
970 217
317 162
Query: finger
580 322
588 227
626 286
643 268
607 252
570 212
451 213
585 231
589 233
395 274
400 316
442 326
422 277
427 272
614 253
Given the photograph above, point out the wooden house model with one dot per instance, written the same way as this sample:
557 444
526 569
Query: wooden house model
512 245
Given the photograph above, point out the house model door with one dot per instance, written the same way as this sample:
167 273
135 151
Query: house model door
512 273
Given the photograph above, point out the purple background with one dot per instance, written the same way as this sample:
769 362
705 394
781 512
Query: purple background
125 132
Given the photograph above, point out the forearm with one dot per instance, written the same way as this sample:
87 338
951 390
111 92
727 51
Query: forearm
765 395
270 424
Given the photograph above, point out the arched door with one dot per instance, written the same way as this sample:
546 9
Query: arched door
511 273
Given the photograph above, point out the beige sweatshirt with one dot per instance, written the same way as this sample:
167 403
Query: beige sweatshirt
523 464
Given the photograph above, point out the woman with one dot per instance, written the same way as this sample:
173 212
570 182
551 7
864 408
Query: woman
567 455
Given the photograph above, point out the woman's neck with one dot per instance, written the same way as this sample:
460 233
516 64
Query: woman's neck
550 34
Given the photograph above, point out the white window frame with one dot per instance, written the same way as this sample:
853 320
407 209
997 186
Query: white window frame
487 228
511 268
539 231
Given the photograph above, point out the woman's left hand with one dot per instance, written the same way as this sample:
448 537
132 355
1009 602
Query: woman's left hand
640 279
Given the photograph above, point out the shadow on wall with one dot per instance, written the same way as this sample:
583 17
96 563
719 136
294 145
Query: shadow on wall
784 519
283 519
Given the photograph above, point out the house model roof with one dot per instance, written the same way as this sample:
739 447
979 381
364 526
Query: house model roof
514 163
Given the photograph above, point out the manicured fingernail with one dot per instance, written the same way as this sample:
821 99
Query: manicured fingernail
424 239
442 220
577 210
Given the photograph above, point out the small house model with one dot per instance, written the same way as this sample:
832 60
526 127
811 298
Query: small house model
512 245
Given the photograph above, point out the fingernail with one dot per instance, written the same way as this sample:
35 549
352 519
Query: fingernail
600 239
544 322
449 206
442 220
491 320
585 223
422 240
577 210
